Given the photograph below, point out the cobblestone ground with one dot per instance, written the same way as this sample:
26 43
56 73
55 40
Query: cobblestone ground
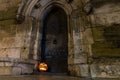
46 77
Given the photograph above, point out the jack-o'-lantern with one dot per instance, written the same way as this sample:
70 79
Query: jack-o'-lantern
43 67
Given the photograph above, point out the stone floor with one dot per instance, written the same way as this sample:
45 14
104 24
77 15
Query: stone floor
46 77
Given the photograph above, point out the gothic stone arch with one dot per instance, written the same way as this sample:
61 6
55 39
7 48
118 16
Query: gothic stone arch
77 50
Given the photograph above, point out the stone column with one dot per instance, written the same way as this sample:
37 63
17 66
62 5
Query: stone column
79 56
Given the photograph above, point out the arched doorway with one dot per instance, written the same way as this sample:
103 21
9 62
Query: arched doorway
54 46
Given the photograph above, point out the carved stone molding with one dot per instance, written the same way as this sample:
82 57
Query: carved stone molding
69 1
75 13
37 5
20 18
88 7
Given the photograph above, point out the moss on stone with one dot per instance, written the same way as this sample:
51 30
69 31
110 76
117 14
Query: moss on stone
106 40
106 33
98 33
7 31
9 14
7 22
99 3
105 50
112 34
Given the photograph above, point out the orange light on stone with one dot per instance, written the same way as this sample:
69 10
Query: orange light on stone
43 67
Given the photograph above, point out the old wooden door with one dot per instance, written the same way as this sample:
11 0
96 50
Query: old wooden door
56 40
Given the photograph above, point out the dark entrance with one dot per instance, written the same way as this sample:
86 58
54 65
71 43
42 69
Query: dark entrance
55 40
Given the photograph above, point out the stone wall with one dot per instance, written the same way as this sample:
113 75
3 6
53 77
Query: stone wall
93 36
105 29
14 39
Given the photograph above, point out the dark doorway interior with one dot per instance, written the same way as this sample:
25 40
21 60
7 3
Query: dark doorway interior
55 41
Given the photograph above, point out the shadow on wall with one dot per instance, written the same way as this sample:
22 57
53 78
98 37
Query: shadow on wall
112 35
99 3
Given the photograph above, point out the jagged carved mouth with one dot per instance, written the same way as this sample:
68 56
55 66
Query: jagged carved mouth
43 67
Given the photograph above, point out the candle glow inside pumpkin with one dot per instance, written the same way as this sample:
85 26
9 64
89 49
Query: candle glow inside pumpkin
43 67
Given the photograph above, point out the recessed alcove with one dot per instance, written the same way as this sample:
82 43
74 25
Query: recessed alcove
54 42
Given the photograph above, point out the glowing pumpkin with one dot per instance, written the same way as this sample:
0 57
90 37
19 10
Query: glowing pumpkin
43 67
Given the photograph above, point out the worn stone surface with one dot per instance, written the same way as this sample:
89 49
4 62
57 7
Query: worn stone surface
13 40
105 67
82 70
50 77
2 64
104 26
110 71
5 70
42 77
105 6
19 69
92 34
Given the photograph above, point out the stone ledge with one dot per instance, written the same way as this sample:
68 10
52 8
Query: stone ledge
9 66
105 60
24 61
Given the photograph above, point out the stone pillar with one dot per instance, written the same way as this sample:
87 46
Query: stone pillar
37 48
79 66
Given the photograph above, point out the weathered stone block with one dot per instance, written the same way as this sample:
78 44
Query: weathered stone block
5 70
11 14
8 9
10 53
14 53
20 30
107 40
25 53
82 70
2 64
87 36
106 6
3 53
105 70
23 69
7 42
105 49
7 31
71 60
98 33
81 59
8 64
19 41
11 47
17 70
71 69
106 19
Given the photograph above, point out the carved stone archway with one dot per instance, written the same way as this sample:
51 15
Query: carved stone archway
77 57
44 12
